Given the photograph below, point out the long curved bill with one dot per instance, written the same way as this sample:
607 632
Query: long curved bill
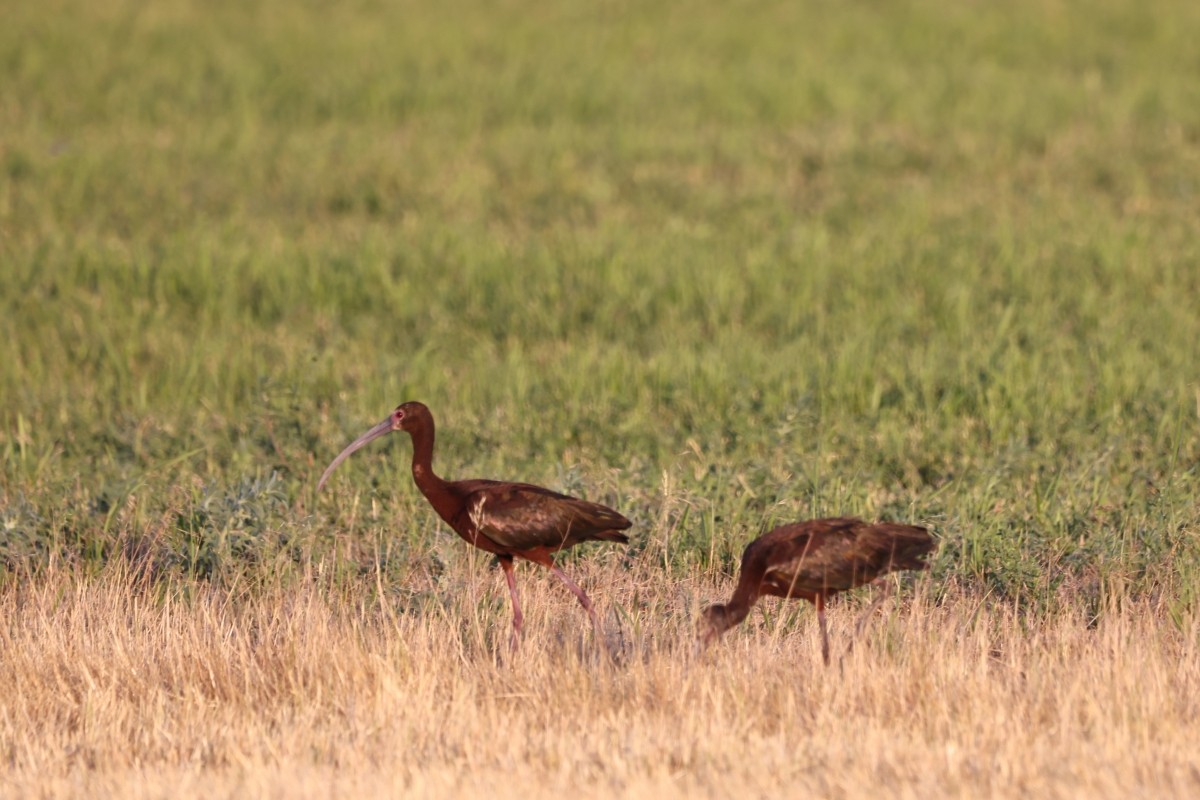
382 429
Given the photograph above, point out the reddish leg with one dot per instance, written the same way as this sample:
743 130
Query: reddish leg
506 563
578 592
882 595
820 601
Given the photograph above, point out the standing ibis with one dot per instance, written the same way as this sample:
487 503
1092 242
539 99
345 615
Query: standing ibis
511 520
815 560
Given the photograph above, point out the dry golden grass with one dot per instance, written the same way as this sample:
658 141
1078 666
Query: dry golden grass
114 689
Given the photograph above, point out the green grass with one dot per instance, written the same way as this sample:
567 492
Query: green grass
723 265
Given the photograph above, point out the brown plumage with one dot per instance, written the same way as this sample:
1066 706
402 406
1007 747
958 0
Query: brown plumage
815 560
511 520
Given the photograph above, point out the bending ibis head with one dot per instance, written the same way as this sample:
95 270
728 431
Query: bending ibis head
714 621
405 417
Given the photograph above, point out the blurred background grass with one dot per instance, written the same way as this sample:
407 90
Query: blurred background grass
719 264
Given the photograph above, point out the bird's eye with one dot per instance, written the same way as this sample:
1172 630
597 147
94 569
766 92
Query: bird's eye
398 415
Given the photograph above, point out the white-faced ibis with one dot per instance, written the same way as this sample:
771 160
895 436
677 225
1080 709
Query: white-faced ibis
511 520
815 560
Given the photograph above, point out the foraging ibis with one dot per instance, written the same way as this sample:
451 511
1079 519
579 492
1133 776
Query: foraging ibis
815 560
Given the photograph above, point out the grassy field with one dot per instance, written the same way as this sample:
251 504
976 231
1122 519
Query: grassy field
313 692
720 265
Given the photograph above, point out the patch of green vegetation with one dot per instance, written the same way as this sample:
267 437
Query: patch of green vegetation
915 261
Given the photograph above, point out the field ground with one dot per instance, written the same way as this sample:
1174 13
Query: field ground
305 692
721 267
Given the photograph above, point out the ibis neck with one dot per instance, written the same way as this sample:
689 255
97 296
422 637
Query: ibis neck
746 593
422 463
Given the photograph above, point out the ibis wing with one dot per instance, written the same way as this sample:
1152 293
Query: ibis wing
523 517
891 546
838 554
810 558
